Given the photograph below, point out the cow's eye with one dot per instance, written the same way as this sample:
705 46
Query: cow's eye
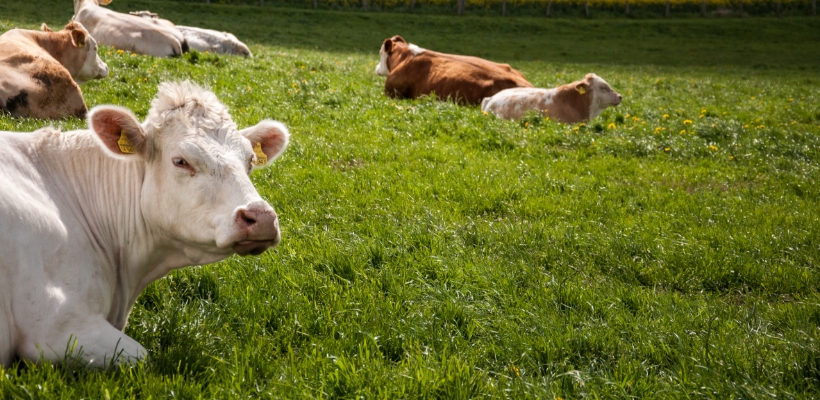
180 162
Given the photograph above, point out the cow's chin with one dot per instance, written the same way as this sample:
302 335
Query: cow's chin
253 247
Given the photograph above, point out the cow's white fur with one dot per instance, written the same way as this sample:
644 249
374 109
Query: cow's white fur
128 32
201 39
515 102
86 228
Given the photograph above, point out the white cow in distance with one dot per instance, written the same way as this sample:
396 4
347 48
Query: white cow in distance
129 32
91 217
203 40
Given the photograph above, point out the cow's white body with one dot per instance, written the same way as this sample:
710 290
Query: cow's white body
201 39
129 32
85 227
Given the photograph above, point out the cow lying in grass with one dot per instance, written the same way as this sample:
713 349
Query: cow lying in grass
203 40
413 72
129 32
91 217
571 103
40 71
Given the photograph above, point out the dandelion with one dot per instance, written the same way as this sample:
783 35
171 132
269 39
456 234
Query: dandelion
703 111
611 125
687 122
665 116
515 371
713 147
683 132
657 130
635 119
526 124
119 51
731 157
660 108
666 149
485 113
303 67
293 86
753 97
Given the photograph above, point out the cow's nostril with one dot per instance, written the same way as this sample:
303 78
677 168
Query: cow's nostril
247 218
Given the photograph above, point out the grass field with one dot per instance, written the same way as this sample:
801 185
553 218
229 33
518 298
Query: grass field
668 249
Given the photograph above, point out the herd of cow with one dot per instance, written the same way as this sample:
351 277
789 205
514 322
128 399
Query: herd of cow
91 217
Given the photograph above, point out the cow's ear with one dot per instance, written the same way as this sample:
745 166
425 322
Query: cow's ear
268 139
387 46
45 28
399 39
105 2
582 87
118 131
78 37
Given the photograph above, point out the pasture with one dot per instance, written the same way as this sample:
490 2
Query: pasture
668 249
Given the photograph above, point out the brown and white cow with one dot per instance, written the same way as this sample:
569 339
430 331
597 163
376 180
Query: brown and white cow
91 217
413 72
571 103
40 71
158 38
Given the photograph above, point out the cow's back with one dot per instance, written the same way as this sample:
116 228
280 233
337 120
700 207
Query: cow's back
33 83
131 33
459 78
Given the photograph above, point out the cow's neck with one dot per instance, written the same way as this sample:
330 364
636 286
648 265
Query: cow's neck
79 4
105 197
55 44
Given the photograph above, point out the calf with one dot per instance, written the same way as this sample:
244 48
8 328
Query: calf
91 217
40 71
413 72
571 103
155 37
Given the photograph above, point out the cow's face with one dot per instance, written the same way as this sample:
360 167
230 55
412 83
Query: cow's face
197 188
79 53
605 96
389 47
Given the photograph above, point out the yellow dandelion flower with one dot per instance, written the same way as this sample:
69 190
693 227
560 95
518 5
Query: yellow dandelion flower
660 108
657 129
682 132
133 54
665 116
119 52
526 124
713 147
666 149
687 122
635 119
485 113
753 97
611 125
731 157
703 111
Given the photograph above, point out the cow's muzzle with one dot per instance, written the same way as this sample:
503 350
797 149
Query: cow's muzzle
259 226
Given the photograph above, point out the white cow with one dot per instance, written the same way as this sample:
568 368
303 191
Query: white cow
90 217
203 40
129 32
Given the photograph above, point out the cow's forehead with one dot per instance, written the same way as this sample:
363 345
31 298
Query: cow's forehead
184 112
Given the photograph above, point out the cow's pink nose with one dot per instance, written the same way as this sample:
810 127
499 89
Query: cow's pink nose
258 221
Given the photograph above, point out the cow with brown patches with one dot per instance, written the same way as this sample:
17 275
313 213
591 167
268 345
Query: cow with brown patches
413 72
571 103
40 71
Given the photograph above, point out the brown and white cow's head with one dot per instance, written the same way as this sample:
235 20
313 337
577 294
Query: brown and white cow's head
393 51
197 188
603 96
78 53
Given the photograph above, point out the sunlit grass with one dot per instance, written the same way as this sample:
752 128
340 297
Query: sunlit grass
667 249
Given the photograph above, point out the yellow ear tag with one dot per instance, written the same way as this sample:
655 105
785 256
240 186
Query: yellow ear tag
125 145
581 90
261 158
79 44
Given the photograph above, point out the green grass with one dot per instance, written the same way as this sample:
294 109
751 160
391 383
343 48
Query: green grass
668 249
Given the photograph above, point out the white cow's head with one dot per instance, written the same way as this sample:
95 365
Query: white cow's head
197 188
603 94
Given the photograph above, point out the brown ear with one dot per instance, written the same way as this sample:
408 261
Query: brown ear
398 38
78 37
387 45
45 28
118 130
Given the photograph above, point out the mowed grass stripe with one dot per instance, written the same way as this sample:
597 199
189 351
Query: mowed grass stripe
667 249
